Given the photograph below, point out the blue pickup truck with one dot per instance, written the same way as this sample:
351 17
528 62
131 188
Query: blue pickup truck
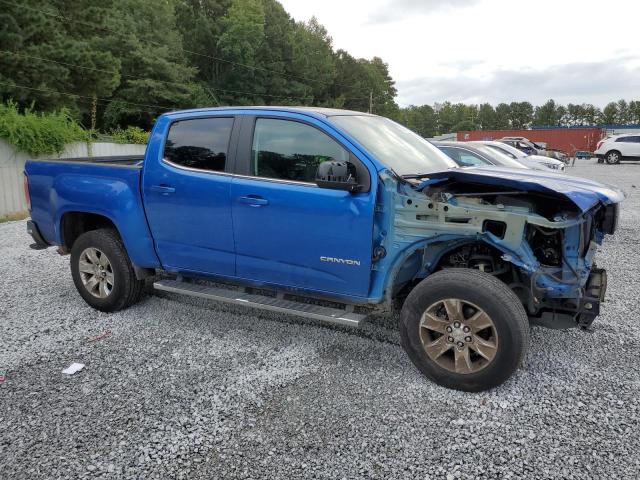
333 215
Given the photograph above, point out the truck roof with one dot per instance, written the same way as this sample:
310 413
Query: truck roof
315 111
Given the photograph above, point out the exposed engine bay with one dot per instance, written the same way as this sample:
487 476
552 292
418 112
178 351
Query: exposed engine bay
541 244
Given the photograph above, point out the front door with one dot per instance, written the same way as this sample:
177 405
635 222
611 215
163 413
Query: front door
186 197
287 230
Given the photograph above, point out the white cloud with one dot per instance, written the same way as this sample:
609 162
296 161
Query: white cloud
400 9
491 50
593 82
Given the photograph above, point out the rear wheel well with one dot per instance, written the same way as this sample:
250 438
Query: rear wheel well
74 224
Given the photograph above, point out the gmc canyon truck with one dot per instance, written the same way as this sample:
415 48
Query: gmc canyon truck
332 214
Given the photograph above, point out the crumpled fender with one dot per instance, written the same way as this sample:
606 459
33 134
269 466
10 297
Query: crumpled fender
584 193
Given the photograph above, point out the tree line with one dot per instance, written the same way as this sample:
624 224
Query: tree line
123 62
119 63
447 117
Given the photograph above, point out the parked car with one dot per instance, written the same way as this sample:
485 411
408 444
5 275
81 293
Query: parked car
532 161
619 147
463 153
312 205
524 144
558 155
466 154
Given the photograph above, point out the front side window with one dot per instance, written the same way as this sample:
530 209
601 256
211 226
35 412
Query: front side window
201 143
289 150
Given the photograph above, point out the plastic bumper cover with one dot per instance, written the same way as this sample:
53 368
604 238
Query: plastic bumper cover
40 243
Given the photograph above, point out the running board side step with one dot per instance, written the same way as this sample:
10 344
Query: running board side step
327 314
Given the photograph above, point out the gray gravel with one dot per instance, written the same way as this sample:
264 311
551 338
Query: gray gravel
189 389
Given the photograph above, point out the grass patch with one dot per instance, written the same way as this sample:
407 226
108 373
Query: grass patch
14 216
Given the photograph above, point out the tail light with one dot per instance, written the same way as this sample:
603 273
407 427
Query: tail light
27 197
599 144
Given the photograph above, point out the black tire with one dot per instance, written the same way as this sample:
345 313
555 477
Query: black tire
613 157
497 300
126 289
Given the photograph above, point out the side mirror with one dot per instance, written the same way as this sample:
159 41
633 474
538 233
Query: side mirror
337 176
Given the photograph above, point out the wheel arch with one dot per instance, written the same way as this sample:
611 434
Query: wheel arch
403 272
75 223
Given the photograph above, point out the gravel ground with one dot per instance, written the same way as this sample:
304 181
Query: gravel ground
185 388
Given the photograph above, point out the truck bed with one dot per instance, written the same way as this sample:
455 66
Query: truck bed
115 160
108 187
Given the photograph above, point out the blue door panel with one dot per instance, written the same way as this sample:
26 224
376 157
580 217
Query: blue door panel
281 239
191 225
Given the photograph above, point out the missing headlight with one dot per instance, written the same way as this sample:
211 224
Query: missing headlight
546 244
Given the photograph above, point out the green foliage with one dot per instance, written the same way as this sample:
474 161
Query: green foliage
130 135
137 59
38 133
132 60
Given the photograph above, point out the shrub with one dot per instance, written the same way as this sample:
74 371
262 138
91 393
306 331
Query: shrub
39 133
130 135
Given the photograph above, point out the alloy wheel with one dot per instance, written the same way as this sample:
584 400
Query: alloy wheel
458 335
96 272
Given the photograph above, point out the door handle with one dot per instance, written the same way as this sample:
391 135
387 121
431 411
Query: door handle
254 201
163 189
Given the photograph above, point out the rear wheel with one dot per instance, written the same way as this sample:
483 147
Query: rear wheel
464 329
102 271
613 157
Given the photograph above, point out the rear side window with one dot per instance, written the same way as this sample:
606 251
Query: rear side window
628 139
201 143
502 150
289 150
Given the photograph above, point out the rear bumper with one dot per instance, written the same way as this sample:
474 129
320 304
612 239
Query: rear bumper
40 243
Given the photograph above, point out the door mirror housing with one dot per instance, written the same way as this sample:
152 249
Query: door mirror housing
337 175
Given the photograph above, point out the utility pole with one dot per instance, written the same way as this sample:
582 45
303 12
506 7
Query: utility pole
371 101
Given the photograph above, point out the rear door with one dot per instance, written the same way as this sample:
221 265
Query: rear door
186 195
633 146
287 230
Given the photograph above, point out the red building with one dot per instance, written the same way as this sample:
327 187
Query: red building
568 140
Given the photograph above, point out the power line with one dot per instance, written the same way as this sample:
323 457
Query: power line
15 85
155 80
250 67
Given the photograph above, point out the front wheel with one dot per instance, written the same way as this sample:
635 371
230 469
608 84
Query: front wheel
464 329
102 271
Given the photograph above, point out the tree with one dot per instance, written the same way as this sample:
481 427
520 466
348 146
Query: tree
155 73
634 112
623 112
609 114
54 55
422 120
503 114
487 117
547 114
521 114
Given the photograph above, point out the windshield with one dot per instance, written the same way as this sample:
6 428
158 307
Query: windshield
394 145
513 152
499 158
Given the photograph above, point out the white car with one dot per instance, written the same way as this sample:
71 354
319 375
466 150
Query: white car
619 147
537 162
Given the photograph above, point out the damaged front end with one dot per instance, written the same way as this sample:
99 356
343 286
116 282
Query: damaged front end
531 233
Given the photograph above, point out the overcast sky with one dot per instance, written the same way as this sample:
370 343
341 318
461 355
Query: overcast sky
492 50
